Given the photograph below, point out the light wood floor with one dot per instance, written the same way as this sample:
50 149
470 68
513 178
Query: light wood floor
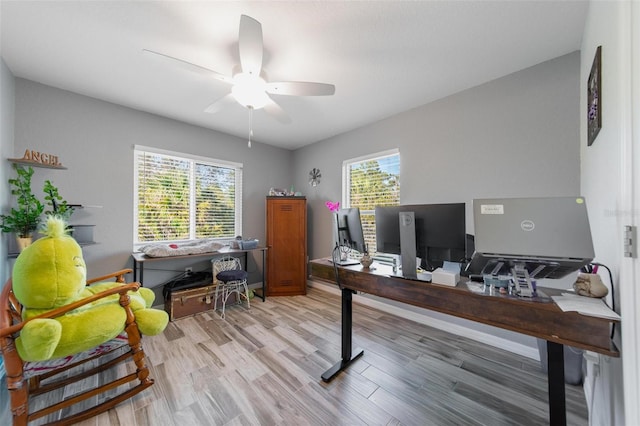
263 367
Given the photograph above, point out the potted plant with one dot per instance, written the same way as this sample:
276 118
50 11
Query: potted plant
58 205
24 219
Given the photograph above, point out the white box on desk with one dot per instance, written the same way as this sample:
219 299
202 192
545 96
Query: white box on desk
441 276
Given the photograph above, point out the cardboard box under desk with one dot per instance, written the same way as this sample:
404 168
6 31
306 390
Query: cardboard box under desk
182 303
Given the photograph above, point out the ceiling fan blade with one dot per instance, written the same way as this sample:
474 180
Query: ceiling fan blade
220 104
187 65
276 111
250 45
301 88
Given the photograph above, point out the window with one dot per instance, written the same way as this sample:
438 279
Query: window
179 197
368 182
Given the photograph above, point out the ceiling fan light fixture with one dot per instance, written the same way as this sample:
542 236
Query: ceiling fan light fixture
248 80
250 90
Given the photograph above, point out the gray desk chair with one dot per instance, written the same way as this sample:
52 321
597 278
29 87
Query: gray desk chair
230 278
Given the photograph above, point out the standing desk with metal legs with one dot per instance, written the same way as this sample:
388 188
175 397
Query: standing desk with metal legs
542 320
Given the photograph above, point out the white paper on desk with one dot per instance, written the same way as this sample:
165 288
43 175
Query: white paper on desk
475 287
585 305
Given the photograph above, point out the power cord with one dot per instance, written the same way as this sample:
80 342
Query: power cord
592 268
336 249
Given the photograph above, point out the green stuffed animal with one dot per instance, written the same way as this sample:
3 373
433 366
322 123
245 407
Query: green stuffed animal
51 273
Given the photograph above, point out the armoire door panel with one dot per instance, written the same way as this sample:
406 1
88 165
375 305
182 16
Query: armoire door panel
287 242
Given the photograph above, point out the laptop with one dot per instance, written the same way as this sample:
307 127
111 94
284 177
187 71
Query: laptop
551 236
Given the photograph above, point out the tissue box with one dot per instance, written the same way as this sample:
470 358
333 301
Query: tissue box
248 244
440 276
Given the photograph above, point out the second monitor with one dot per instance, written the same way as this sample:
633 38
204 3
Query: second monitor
440 232
348 235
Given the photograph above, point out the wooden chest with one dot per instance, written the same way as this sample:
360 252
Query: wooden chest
182 303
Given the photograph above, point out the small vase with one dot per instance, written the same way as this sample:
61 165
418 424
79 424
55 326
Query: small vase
24 242
366 261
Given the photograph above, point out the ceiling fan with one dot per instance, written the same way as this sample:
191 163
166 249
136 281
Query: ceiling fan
249 85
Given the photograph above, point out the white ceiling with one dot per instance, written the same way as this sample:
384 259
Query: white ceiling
384 57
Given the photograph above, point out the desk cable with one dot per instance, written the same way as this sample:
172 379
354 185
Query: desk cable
336 249
592 268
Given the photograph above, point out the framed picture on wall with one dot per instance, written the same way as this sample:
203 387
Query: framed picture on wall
594 99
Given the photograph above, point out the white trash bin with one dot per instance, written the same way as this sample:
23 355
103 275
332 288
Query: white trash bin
573 360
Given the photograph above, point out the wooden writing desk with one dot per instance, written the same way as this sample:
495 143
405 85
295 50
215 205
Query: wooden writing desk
538 319
139 259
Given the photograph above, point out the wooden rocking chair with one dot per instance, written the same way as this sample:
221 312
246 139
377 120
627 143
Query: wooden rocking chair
27 379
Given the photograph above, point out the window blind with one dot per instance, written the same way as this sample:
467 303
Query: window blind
371 181
180 197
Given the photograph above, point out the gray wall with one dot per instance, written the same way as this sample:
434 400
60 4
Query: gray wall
94 140
7 100
514 136
7 96
610 190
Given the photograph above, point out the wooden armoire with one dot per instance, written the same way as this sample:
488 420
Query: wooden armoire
287 246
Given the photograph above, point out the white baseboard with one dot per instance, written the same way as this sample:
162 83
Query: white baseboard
498 342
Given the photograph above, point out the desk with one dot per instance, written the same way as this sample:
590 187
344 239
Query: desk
542 320
139 259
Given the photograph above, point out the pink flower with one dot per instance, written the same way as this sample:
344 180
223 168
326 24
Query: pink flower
334 207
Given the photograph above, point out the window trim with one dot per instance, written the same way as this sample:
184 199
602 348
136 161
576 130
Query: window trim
238 167
346 181
346 176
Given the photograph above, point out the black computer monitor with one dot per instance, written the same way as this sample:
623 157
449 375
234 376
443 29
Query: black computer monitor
440 232
348 229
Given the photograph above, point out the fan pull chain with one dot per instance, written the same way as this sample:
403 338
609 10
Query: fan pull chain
250 125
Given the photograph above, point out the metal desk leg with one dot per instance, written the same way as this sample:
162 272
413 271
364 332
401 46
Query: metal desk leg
557 403
137 264
264 267
347 328
246 264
